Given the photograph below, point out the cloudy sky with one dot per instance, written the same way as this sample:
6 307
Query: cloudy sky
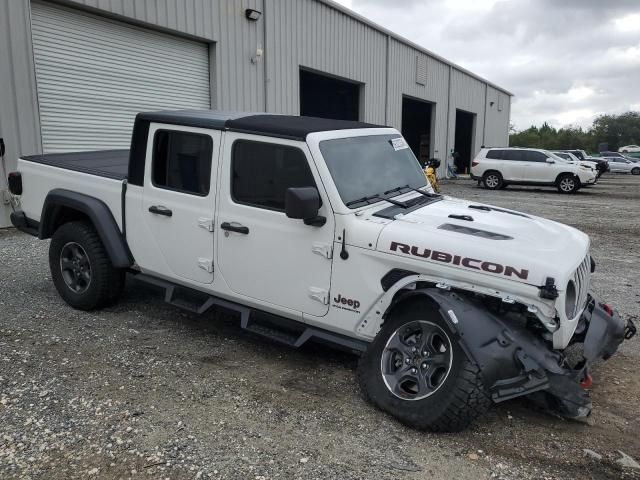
566 61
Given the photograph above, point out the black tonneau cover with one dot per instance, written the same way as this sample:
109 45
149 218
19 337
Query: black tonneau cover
103 163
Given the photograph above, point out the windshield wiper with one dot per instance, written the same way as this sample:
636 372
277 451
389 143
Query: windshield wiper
426 194
397 189
377 196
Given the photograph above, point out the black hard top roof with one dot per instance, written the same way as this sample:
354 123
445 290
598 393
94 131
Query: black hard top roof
284 126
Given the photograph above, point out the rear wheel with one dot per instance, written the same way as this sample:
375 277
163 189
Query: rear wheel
81 269
416 371
492 180
568 183
635 171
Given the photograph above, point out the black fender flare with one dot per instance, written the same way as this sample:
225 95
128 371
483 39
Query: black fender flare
99 215
513 361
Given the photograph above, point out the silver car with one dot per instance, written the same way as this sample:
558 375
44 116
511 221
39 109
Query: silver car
623 165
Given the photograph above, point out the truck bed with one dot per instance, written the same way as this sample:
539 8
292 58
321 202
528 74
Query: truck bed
103 163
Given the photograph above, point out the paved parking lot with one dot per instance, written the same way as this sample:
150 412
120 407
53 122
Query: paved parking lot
143 390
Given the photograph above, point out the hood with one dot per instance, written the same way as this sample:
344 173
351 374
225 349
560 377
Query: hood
491 240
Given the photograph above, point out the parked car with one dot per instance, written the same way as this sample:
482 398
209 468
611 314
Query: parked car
499 167
601 165
570 157
612 155
624 165
287 221
629 149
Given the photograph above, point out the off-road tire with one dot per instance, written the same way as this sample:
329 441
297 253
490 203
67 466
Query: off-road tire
460 399
106 281
492 180
568 183
635 171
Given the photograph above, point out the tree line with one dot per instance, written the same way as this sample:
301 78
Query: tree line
615 130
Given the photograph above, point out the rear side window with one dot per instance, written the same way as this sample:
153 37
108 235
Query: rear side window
182 161
495 154
262 172
516 155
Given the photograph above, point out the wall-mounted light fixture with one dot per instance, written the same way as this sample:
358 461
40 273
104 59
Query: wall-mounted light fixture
252 15
491 104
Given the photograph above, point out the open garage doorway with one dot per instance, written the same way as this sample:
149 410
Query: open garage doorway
416 127
463 145
328 97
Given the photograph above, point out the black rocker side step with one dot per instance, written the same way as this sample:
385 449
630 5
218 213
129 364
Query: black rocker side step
281 330
277 335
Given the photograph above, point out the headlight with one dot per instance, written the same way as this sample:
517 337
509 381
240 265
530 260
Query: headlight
570 299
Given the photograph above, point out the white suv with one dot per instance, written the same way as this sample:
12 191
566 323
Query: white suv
498 167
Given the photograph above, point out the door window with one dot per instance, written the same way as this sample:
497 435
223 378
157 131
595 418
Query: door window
516 155
533 156
262 172
182 161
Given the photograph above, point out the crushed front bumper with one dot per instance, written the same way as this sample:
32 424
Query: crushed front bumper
517 362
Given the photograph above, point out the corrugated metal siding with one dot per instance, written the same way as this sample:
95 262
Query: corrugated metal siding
313 35
497 127
402 81
94 75
19 106
467 93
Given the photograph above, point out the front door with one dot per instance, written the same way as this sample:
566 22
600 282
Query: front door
263 254
536 168
179 201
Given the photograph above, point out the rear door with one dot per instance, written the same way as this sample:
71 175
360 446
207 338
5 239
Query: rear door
263 254
512 165
179 201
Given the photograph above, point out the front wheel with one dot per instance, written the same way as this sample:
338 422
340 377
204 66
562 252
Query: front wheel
568 183
416 371
81 269
635 171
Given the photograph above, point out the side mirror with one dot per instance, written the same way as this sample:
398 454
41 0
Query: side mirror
550 160
303 203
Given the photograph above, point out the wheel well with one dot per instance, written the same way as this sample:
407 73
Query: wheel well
403 299
491 171
64 215
564 174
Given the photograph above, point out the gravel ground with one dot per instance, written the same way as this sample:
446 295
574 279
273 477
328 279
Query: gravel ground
143 390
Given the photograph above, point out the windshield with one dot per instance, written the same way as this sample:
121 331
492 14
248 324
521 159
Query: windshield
556 156
372 165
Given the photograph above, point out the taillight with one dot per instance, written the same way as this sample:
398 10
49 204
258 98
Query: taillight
607 309
15 183
475 163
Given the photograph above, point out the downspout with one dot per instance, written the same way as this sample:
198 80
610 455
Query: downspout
386 85
448 124
484 122
265 54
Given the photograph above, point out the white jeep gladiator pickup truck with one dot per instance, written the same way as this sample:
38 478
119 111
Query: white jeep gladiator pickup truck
326 230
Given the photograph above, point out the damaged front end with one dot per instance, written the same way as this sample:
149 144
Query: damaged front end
517 360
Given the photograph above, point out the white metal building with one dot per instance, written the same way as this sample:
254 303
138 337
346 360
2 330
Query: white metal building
74 73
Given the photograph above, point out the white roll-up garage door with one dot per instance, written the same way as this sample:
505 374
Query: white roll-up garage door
94 74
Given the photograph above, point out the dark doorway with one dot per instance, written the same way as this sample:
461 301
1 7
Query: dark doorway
463 146
416 127
327 97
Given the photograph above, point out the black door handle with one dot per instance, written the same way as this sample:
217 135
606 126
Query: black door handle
160 210
234 228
